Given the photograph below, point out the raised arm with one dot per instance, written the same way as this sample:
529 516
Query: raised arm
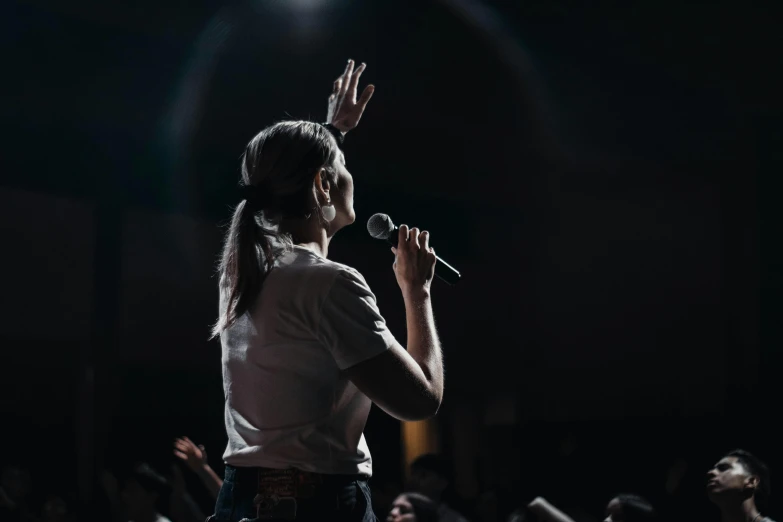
196 459
546 512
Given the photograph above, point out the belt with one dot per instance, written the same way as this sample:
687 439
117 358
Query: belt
294 477
279 489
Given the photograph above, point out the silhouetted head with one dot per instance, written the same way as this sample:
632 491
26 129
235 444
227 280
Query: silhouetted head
430 476
293 176
413 507
737 477
293 168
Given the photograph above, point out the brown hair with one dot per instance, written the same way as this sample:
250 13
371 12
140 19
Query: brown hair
278 166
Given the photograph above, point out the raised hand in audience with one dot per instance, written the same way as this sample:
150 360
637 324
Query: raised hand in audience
196 459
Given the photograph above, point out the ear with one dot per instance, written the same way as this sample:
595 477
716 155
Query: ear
321 184
753 482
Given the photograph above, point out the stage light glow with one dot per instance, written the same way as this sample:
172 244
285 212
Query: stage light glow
299 7
307 5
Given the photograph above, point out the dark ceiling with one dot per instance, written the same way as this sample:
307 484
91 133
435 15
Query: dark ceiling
596 171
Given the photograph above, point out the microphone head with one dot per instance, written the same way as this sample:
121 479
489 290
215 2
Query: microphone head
380 226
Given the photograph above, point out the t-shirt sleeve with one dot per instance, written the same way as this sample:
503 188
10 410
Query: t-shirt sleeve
350 325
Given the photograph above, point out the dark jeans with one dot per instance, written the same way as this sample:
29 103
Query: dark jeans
252 494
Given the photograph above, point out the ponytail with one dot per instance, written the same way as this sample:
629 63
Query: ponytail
277 182
246 247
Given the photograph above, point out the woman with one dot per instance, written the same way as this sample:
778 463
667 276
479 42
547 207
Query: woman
412 507
622 508
305 349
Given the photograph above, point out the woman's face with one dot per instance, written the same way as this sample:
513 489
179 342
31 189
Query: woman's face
614 511
401 511
341 195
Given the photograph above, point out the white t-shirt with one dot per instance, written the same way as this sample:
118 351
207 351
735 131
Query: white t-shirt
287 404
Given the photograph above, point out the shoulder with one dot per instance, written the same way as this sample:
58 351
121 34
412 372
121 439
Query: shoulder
303 265
347 272
346 278
318 275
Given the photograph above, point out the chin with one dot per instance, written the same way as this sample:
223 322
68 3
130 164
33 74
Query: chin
347 217
341 222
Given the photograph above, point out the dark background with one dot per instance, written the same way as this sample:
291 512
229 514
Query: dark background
604 176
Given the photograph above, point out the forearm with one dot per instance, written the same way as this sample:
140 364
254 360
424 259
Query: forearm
547 512
423 343
211 480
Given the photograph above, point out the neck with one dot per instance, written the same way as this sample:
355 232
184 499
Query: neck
319 247
308 234
744 512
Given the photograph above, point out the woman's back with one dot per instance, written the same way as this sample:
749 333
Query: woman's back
287 404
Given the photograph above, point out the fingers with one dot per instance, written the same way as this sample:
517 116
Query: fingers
364 100
336 87
348 69
413 239
425 241
402 236
354 81
184 446
341 83
180 455
366 95
346 78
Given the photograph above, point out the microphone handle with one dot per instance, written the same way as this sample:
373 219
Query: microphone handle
443 270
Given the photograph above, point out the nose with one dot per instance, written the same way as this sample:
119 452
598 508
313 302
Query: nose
711 474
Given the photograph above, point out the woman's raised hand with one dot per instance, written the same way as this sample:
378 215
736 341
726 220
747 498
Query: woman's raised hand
345 110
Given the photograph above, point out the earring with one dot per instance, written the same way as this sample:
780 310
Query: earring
329 211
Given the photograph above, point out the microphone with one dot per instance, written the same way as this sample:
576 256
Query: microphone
380 226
